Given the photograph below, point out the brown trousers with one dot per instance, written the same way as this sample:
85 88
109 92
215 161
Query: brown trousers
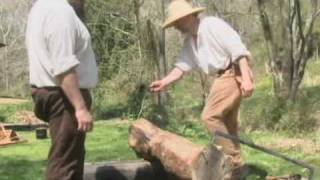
67 152
221 112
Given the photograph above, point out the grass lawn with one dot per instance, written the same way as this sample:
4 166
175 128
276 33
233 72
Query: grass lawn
109 142
27 161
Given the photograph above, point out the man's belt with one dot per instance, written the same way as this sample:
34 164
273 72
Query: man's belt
53 88
222 71
46 87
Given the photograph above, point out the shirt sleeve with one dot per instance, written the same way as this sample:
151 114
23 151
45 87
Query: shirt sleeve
185 61
61 42
230 40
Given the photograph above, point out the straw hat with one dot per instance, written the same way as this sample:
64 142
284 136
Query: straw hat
178 9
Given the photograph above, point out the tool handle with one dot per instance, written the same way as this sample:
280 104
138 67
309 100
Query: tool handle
268 151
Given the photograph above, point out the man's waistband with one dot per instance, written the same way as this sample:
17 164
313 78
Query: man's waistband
222 71
53 88
46 87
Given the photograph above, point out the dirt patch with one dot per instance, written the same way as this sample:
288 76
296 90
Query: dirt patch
305 145
5 101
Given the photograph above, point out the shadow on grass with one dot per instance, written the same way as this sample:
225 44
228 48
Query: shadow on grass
2 118
255 172
110 112
128 170
18 168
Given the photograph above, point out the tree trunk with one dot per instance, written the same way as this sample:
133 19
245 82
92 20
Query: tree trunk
289 44
179 156
155 46
162 59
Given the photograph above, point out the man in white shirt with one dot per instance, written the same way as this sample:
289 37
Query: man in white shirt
213 46
62 69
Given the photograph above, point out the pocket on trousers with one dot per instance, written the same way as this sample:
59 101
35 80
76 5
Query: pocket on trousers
40 105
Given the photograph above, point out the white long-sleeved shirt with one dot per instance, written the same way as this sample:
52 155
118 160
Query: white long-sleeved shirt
58 41
216 46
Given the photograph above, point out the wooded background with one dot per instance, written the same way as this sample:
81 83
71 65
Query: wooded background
133 50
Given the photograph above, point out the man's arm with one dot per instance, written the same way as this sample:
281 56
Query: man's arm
70 86
173 76
247 77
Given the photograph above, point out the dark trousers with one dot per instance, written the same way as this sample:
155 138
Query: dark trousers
67 152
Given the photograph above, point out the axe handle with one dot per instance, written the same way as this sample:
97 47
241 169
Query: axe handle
268 151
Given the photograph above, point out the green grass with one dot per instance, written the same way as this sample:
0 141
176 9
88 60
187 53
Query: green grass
274 165
27 161
109 142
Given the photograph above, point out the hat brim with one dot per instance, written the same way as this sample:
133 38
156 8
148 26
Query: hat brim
170 21
2 45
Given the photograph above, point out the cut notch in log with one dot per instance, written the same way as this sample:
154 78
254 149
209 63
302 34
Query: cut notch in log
178 155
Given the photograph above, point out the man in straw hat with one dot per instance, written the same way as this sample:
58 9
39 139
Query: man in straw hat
62 71
213 46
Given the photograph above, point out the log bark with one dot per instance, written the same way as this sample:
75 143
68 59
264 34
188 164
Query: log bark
179 156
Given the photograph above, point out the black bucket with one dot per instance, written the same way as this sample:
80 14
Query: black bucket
41 133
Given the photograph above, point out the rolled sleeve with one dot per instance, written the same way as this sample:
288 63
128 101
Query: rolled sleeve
186 60
184 66
231 42
64 64
61 44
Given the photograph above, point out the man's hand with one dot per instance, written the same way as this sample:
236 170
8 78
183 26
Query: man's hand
247 85
84 118
157 86
161 85
247 88
70 86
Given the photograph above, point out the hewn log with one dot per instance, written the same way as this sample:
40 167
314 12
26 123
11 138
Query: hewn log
178 155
